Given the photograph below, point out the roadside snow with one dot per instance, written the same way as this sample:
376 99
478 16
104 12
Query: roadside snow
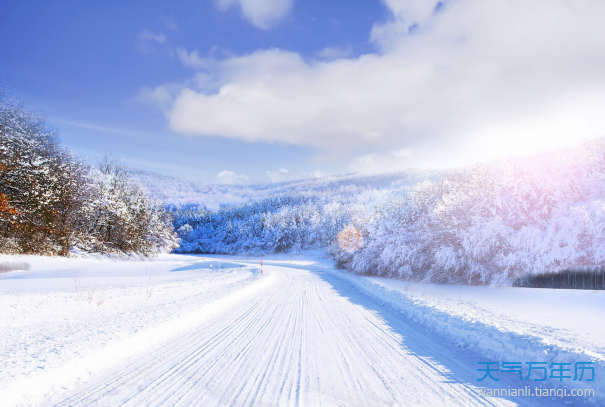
570 319
65 320
504 324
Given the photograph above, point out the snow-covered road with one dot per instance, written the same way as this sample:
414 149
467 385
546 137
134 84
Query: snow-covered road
308 338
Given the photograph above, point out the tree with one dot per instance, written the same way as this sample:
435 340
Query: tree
120 217
51 201
27 148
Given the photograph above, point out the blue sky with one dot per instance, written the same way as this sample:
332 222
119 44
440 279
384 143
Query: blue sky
259 90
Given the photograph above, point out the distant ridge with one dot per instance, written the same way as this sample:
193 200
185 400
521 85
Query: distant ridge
178 192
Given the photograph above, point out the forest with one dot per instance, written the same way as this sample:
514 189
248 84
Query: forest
51 201
492 223
487 224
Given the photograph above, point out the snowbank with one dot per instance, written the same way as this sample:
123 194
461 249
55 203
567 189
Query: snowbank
505 324
65 321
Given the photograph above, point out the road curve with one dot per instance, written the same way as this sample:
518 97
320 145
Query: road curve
308 339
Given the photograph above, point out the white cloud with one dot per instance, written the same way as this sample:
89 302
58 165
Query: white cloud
160 38
407 17
275 176
478 79
383 162
281 175
171 23
262 13
331 53
193 60
231 177
161 96
285 175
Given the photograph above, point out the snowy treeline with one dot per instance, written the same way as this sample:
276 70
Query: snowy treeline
492 223
486 224
51 201
280 223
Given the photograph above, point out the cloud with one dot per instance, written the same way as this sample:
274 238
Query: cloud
193 60
106 129
160 38
383 162
171 23
261 13
161 96
230 177
331 53
407 17
150 43
467 80
278 176
285 175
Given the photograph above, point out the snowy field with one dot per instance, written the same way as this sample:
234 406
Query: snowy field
505 323
65 320
568 319
184 330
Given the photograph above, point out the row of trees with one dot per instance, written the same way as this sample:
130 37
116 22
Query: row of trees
492 223
488 224
281 223
51 201
567 279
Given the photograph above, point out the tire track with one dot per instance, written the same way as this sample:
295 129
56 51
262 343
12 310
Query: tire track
307 339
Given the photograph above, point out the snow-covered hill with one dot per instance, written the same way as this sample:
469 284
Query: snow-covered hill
178 192
486 224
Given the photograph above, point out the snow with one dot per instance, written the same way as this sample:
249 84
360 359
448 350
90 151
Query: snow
493 223
65 320
567 318
501 324
178 192
177 330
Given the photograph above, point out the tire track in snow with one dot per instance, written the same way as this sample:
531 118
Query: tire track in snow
307 339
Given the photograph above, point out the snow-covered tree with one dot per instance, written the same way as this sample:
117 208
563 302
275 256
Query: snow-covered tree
486 224
50 200
120 217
